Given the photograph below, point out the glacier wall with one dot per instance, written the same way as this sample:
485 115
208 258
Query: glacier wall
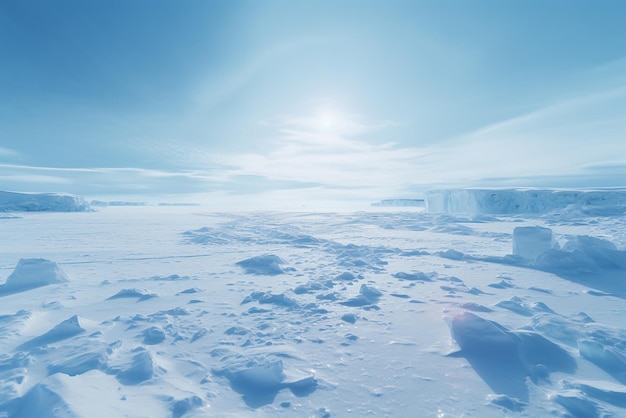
42 202
518 201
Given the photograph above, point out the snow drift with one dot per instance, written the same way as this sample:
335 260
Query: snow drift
518 201
42 202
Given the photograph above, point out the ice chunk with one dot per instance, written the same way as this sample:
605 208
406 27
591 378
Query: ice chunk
531 241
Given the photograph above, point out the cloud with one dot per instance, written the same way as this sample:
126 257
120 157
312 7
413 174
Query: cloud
33 179
308 152
566 138
6 152
99 181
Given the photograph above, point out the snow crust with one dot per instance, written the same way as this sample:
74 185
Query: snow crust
41 202
530 201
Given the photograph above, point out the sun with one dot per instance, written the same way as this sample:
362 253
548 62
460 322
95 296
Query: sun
327 120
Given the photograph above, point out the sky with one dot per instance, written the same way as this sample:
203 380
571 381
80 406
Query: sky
298 101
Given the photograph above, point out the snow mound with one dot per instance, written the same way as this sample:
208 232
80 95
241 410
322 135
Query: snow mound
40 401
419 276
505 359
66 329
42 202
80 364
31 273
183 406
260 380
610 359
517 201
133 293
577 403
141 369
604 391
267 264
280 299
367 296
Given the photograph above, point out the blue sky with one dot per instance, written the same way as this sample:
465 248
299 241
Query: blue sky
309 100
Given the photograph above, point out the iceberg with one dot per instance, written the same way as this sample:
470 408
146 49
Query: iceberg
524 201
42 202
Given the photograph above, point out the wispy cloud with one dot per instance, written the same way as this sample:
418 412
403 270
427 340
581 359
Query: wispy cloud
327 149
562 139
96 181
6 152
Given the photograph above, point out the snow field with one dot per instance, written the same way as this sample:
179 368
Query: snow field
177 312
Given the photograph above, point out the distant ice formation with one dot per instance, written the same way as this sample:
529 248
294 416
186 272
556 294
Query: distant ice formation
517 201
42 202
399 202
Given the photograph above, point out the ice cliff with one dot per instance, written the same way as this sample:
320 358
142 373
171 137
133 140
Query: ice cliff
517 201
41 202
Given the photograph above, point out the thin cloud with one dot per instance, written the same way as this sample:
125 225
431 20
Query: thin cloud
6 152
307 152
563 139
97 181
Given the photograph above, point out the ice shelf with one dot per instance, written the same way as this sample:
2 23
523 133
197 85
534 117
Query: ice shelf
517 201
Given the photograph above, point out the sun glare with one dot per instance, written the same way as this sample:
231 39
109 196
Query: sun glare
327 120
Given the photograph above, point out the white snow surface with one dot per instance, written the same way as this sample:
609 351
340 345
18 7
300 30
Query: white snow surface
522 201
178 312
41 202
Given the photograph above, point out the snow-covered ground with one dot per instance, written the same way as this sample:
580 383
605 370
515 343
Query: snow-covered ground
179 311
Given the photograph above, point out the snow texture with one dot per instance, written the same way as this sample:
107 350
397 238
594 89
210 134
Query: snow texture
41 202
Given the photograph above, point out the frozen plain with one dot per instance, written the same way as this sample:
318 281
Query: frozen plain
167 311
